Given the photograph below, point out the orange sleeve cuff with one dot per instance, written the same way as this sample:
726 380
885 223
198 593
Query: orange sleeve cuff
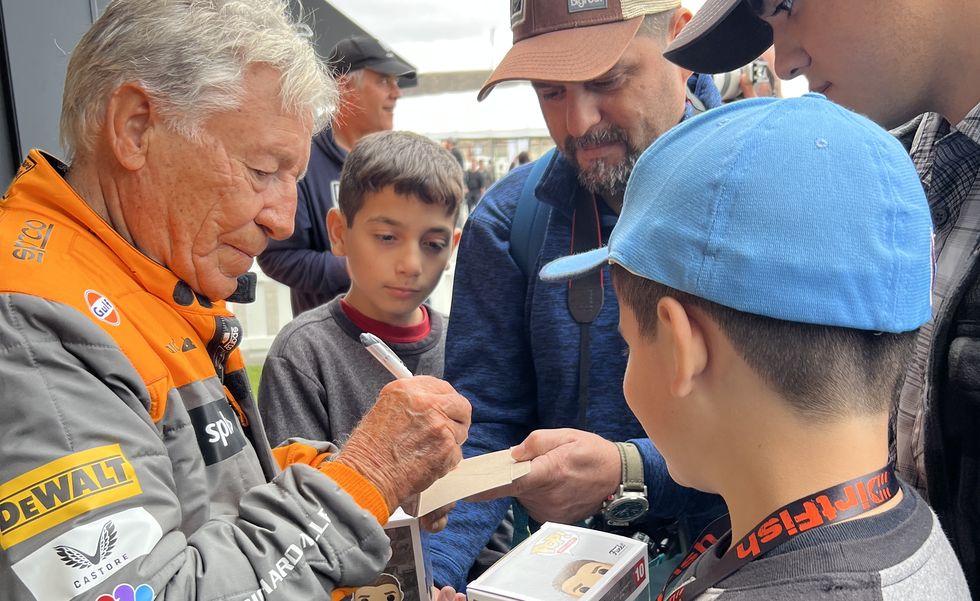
357 486
298 453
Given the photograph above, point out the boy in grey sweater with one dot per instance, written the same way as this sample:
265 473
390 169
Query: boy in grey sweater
400 195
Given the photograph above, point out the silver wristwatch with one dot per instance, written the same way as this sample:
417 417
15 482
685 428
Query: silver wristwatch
629 503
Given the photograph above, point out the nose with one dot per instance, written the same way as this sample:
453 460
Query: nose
279 211
410 261
396 90
582 111
791 59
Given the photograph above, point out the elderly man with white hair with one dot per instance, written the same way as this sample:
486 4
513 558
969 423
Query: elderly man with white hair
133 464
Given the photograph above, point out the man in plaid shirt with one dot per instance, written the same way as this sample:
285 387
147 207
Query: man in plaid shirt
930 82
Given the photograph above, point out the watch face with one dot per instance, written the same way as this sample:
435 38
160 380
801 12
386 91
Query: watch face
625 510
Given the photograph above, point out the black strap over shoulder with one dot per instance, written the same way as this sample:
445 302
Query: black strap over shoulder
585 294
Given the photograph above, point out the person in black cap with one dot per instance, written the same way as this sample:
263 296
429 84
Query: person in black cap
913 63
369 77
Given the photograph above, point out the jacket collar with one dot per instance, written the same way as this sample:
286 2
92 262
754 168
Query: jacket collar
45 171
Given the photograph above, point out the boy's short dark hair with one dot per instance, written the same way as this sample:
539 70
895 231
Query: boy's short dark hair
412 164
825 372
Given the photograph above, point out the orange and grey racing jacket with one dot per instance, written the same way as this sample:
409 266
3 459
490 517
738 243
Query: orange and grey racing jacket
132 462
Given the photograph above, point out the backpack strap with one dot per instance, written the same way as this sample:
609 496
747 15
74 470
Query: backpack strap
530 219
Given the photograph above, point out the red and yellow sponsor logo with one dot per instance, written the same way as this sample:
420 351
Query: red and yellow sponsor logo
556 543
63 489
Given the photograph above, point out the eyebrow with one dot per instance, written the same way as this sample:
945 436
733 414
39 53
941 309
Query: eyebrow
620 68
384 220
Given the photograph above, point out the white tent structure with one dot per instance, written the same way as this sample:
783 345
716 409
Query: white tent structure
511 111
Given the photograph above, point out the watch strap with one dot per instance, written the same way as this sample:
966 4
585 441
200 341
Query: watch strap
632 466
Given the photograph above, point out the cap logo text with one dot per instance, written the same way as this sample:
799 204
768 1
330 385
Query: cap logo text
577 6
516 13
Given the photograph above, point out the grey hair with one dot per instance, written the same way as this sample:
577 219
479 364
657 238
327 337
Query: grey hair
191 58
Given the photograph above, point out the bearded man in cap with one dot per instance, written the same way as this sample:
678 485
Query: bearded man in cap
369 76
543 366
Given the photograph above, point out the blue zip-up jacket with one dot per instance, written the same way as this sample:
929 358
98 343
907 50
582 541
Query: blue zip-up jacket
304 261
512 349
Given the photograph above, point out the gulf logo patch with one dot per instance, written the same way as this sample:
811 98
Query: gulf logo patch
102 307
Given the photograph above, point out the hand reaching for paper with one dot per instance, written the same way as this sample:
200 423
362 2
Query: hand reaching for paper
572 472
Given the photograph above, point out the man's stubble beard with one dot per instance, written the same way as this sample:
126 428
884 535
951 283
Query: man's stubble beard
607 180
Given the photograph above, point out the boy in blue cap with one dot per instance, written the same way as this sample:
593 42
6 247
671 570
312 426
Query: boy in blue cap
773 263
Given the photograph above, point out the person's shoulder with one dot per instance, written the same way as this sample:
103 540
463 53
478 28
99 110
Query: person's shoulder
901 551
37 318
308 330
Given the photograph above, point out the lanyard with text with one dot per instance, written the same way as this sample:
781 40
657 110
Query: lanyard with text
834 504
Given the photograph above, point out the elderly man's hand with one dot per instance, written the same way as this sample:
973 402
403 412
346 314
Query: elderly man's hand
410 438
572 473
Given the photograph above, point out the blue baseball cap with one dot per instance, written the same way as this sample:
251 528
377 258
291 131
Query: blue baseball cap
796 209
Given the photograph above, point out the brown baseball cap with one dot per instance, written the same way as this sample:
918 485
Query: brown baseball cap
570 40
723 36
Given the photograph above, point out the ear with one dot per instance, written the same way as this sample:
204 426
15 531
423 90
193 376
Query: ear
337 231
457 233
682 16
687 345
129 117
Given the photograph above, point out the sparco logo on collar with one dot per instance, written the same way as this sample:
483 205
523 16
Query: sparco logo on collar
516 12
577 6
88 555
32 242
102 307
219 435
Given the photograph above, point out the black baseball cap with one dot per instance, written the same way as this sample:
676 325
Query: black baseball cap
362 52
723 36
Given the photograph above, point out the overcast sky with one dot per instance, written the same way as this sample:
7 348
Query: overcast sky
441 35
453 35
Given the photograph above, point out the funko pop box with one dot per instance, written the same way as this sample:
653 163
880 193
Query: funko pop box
565 563
405 578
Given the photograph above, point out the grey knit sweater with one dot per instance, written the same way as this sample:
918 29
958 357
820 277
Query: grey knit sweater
318 379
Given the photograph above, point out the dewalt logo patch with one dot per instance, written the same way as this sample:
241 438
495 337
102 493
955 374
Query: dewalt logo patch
65 488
